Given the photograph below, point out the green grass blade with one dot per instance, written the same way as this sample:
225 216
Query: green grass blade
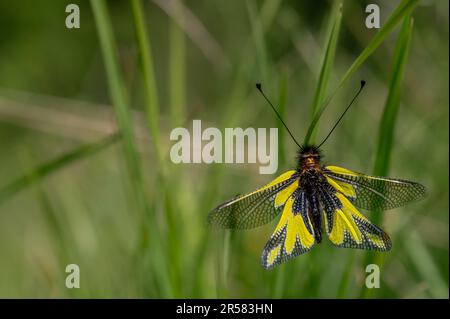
388 120
388 123
404 8
149 231
59 235
258 39
150 90
426 266
116 88
278 287
177 115
52 217
42 171
226 263
346 277
327 64
165 190
177 71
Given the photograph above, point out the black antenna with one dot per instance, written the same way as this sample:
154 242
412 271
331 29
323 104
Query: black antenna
258 86
340 118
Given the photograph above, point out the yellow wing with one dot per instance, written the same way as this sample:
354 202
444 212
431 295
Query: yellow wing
294 234
256 208
347 227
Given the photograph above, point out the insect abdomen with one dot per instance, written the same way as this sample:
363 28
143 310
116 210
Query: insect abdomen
316 218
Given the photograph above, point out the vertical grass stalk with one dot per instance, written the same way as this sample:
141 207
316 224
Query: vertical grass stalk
58 235
387 125
177 114
327 63
177 70
149 229
258 39
148 72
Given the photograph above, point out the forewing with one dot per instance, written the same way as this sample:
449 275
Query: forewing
256 208
347 227
373 193
294 234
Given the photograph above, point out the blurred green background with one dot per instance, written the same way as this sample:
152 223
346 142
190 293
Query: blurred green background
136 225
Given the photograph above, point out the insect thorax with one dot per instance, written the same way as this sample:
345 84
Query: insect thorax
308 158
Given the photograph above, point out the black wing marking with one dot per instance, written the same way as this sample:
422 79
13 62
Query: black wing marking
346 227
294 234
